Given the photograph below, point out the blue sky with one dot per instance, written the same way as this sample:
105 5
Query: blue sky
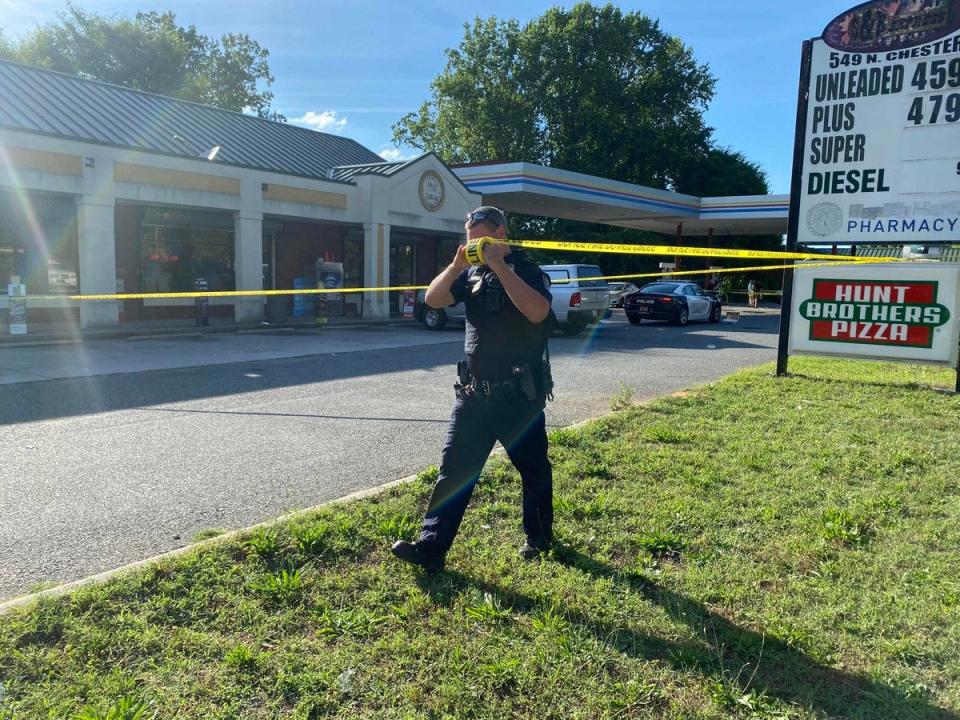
356 66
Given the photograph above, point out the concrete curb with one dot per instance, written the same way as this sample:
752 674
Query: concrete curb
68 587
166 336
106 575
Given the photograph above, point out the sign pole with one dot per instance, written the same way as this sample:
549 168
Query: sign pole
796 188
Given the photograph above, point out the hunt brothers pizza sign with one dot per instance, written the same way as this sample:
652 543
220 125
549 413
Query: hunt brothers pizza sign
901 311
899 314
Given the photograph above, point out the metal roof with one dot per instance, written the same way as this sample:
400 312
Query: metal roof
346 172
52 103
386 169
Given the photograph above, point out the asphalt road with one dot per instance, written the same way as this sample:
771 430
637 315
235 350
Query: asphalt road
97 472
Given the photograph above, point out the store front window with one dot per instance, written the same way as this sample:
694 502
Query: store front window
166 249
38 242
415 259
403 259
305 254
179 247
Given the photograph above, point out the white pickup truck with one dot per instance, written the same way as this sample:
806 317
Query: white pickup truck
578 300
580 295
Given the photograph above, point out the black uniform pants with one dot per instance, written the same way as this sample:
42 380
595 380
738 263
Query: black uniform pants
475 426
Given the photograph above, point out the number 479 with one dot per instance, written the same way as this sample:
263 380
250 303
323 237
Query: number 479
950 109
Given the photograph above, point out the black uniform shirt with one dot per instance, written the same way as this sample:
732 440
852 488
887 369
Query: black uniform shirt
499 337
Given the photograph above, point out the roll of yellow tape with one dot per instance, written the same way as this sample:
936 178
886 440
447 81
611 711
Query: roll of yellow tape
474 251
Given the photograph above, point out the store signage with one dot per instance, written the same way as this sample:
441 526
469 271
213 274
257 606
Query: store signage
407 300
431 191
883 115
16 297
898 311
879 26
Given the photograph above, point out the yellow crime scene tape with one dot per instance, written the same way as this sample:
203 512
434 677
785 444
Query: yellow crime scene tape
474 254
681 251
221 293
713 271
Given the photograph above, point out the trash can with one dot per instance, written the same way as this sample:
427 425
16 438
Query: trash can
276 309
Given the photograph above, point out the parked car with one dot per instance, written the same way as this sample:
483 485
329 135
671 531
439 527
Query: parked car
577 300
675 302
436 318
580 295
618 291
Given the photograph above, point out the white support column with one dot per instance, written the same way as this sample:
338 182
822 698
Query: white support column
376 269
248 264
98 259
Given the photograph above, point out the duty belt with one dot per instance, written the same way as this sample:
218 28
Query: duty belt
488 389
521 382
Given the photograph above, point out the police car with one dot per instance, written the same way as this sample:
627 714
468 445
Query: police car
674 302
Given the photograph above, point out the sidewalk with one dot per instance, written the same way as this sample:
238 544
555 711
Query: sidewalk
63 333
745 310
92 356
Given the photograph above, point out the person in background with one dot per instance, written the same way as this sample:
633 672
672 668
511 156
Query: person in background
753 293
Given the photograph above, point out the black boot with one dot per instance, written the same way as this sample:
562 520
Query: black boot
414 554
531 550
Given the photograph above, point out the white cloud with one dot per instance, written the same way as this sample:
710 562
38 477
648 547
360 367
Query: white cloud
392 154
326 121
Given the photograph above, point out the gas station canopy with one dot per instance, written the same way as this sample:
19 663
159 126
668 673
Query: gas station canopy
537 190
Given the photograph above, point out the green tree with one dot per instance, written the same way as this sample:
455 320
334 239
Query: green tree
590 88
6 51
718 172
152 52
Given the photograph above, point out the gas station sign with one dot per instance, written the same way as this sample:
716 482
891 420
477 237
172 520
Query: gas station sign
881 150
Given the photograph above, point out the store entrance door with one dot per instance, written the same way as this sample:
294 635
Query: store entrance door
403 263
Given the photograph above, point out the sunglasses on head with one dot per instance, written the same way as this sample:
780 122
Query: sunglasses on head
478 216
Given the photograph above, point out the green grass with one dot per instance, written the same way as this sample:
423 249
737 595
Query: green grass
207 534
759 548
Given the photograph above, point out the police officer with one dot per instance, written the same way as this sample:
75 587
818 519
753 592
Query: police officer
501 390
